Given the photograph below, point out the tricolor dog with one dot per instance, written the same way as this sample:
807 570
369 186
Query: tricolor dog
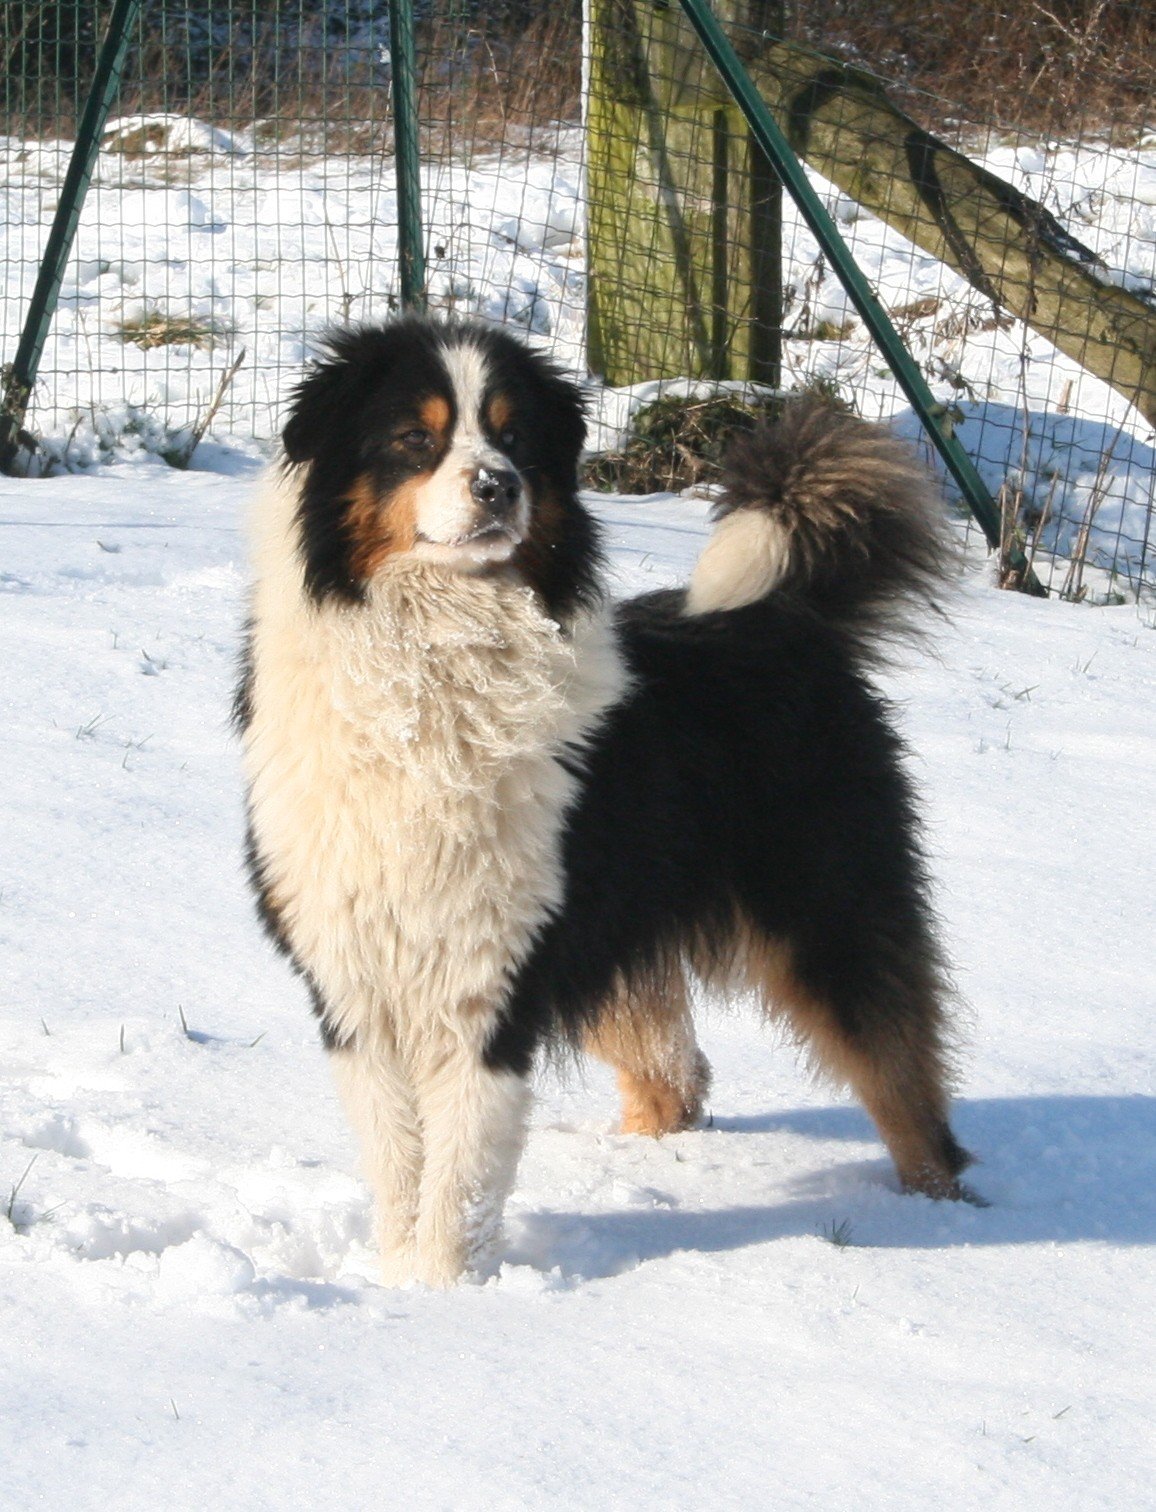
489 810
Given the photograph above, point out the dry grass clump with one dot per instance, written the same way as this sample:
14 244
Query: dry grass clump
486 85
155 328
677 441
139 141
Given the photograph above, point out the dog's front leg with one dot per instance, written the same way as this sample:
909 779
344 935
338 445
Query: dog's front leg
380 1104
473 1123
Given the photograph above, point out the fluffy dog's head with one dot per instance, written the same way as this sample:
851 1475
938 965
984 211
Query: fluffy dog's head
453 444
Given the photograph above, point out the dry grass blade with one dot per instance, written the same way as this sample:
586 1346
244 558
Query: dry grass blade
15 1192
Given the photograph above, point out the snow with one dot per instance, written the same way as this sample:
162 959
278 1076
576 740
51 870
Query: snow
165 133
745 1315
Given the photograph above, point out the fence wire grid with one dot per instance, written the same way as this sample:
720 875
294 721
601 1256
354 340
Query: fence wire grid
586 179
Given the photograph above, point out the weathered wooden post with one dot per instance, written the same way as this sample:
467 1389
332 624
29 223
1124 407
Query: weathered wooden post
651 200
684 210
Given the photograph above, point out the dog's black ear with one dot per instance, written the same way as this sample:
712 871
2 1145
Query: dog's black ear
567 406
319 402
560 404
352 361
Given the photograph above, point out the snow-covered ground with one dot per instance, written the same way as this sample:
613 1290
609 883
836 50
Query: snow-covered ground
747 1315
256 251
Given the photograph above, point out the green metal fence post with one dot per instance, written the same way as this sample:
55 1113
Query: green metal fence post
766 211
20 375
407 158
766 132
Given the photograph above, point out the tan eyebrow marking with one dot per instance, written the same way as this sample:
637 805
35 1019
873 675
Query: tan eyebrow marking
499 412
434 414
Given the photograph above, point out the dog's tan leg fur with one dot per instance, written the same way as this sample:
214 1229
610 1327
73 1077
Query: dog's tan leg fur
647 1036
898 1070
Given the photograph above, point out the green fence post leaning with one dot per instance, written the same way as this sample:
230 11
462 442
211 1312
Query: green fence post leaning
766 340
407 158
20 375
766 133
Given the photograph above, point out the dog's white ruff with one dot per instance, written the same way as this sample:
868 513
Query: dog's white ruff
407 806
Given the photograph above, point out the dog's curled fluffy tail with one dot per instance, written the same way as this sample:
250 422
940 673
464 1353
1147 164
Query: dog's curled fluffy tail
829 510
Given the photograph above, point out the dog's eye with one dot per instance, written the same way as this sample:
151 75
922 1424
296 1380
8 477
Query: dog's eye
416 439
508 438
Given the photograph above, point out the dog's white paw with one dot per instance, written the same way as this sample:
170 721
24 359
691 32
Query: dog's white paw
398 1267
414 1265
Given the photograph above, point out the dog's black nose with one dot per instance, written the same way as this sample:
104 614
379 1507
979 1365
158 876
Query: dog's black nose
498 489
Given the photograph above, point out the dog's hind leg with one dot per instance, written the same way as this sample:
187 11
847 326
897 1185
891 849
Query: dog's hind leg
473 1122
881 1031
380 1104
647 1035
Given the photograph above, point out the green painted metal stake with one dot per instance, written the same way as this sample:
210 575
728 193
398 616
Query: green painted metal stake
407 158
20 376
766 133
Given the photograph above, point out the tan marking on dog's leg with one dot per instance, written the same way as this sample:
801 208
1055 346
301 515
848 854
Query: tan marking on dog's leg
895 1066
648 1037
654 1107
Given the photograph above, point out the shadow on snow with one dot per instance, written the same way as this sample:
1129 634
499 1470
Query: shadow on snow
1055 1169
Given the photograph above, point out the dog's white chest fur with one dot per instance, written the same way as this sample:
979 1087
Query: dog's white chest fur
406 798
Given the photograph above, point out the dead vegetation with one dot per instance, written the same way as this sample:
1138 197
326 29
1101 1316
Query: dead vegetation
320 84
157 328
509 70
678 440
1050 67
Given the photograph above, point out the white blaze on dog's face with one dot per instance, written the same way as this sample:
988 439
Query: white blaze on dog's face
474 507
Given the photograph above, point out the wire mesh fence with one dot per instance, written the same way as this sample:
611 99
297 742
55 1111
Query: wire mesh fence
244 199
589 180
1018 267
